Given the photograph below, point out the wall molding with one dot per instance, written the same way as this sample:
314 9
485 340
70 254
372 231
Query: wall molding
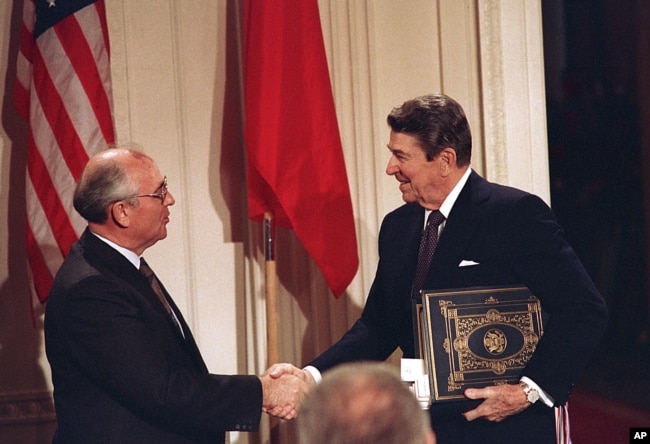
493 92
27 408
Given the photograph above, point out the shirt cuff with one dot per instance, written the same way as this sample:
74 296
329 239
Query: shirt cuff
313 371
545 397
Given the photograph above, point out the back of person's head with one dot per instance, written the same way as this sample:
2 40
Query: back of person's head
105 180
362 403
438 122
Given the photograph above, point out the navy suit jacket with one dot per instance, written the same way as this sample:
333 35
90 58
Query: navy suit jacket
122 373
514 239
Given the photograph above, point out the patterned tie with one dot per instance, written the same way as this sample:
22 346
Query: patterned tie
155 285
428 244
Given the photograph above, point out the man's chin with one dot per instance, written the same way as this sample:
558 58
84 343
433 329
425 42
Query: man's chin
163 233
408 197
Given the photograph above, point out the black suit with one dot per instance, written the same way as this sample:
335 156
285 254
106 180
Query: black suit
514 238
122 372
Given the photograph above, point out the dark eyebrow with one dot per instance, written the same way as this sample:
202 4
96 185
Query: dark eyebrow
395 151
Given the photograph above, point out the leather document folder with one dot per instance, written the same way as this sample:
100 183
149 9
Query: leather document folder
475 337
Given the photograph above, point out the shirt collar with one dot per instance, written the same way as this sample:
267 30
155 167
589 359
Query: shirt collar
450 200
128 254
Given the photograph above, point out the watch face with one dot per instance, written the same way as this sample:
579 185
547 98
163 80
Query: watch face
533 396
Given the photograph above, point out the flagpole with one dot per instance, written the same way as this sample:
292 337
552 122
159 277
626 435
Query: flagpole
272 349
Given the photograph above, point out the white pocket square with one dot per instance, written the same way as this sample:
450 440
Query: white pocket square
465 263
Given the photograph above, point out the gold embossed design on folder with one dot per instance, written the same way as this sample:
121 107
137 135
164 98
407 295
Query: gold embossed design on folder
478 337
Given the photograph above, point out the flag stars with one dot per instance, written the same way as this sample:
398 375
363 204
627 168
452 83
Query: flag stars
51 3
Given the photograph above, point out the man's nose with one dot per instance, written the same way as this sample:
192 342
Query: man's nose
169 199
391 167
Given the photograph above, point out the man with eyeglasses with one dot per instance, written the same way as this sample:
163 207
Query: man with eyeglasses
125 366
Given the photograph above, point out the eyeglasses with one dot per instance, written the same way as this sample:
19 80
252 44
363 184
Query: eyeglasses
162 195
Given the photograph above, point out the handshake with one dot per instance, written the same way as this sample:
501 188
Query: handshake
284 387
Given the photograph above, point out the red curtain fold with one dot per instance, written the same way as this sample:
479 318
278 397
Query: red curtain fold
295 163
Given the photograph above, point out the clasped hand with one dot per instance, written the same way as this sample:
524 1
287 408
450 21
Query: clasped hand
284 387
500 401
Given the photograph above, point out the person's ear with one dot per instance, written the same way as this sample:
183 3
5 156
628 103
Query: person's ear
447 160
120 213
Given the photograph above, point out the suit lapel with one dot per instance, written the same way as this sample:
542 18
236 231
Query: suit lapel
410 230
188 340
108 260
461 224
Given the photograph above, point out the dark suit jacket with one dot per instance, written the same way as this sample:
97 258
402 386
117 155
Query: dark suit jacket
122 372
515 239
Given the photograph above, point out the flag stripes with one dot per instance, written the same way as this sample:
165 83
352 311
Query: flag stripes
63 89
24 61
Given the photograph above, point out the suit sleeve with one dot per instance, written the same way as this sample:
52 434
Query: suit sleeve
577 312
385 322
110 334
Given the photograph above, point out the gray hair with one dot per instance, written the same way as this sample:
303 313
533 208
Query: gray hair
103 182
362 403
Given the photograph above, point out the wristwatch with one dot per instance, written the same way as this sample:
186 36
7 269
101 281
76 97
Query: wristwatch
531 394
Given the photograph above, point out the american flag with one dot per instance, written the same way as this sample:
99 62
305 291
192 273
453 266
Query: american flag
63 89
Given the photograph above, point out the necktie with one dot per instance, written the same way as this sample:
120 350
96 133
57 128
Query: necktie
428 244
155 285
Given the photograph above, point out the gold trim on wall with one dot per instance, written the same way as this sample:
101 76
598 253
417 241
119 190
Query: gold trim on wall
24 408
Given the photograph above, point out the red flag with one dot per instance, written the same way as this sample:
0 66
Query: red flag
296 168
63 89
